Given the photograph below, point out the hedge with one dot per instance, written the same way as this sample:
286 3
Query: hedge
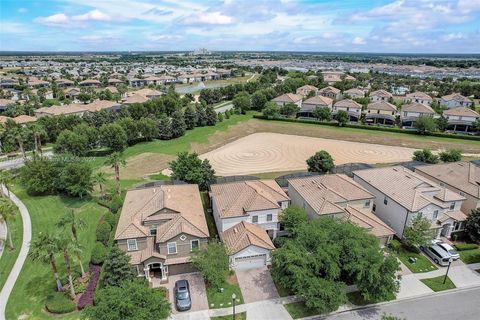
110 218
374 128
59 303
99 252
103 232
466 246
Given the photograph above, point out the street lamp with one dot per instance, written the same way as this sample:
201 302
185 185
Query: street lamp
448 268
234 297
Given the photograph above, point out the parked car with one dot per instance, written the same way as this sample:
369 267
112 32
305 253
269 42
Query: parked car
183 302
445 246
438 255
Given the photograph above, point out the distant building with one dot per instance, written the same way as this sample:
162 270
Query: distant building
455 100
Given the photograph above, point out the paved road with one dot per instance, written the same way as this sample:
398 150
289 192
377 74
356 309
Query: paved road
14 163
17 267
224 108
459 304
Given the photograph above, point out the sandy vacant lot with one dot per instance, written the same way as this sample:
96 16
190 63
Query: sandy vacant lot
274 152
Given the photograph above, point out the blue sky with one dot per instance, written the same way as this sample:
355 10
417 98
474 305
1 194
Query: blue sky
417 26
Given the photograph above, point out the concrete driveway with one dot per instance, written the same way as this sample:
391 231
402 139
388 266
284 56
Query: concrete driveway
256 285
198 292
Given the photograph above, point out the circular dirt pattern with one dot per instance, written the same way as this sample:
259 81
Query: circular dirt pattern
273 152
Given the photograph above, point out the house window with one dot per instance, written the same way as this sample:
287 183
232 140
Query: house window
385 201
404 114
153 231
452 205
132 244
255 219
462 194
172 247
269 217
374 207
367 203
194 244
435 214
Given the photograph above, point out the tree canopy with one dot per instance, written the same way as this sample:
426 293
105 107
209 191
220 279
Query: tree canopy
190 168
321 162
213 263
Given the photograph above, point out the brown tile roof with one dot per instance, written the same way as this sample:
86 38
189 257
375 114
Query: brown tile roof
369 221
417 107
237 198
245 234
22 119
461 112
100 105
90 81
348 103
411 190
180 200
319 100
146 92
328 194
355 91
307 87
455 215
418 95
329 89
135 98
464 176
113 80
456 97
137 257
381 93
288 98
6 102
381 105
58 110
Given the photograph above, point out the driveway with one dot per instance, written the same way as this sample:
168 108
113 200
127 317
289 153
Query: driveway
197 291
256 285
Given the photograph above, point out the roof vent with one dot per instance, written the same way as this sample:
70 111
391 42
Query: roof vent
235 230
154 190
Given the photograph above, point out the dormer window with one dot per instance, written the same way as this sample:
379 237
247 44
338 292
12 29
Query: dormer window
153 231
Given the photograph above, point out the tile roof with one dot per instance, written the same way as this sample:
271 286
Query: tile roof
66 109
355 91
237 198
411 190
319 100
369 221
381 105
100 105
461 112
464 176
135 98
288 98
456 97
137 257
182 202
418 95
329 89
417 107
348 103
245 234
22 119
328 194
381 93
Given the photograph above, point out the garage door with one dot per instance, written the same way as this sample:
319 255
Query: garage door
250 262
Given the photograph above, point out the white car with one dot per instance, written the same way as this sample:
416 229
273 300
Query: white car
448 248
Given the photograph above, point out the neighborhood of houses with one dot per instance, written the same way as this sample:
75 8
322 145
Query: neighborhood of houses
160 226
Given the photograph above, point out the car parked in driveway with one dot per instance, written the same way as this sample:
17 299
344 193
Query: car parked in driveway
183 301
445 246
437 254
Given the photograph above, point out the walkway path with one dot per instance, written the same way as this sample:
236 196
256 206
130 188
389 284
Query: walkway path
17 267
3 236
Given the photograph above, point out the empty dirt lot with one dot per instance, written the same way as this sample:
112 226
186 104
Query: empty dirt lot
273 152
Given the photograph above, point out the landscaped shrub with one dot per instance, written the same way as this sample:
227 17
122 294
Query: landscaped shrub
395 245
110 218
470 256
99 253
87 297
103 232
466 246
59 303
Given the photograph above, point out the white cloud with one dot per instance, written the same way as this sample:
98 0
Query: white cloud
359 40
94 15
208 18
62 20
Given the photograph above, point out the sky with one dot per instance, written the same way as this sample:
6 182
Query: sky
400 26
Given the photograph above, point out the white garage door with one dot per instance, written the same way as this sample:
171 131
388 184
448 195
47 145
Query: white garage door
250 262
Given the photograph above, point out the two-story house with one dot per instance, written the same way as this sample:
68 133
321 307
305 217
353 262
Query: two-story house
381 112
401 195
412 111
288 98
160 227
380 95
330 92
354 93
314 102
418 97
353 108
307 90
455 100
460 177
248 210
460 119
338 196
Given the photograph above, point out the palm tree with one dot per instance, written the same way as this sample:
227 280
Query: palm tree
115 160
19 134
6 178
69 219
43 248
7 214
37 132
67 245
100 178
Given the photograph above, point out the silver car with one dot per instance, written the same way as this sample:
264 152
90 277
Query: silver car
438 255
445 246
183 302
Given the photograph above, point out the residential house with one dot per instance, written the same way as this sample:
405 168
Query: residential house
381 112
460 177
338 196
134 82
418 97
288 98
134 98
63 83
24 119
114 82
314 102
455 100
353 108
71 109
92 83
330 92
401 195
460 119
380 95
99 105
354 93
238 205
412 111
8 83
149 93
37 83
307 90
72 93
332 77
159 228
5 104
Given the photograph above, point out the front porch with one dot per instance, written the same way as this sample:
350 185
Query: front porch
450 223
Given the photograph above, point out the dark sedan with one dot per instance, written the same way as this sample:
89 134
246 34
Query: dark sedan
183 302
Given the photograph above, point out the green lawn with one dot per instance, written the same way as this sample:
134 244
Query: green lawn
436 284
10 256
238 316
422 264
36 280
470 256
217 299
299 310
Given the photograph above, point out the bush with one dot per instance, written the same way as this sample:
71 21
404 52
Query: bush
110 218
99 252
395 245
87 297
103 232
466 246
59 303
279 241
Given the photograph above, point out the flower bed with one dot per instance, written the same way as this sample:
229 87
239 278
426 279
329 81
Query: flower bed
87 296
